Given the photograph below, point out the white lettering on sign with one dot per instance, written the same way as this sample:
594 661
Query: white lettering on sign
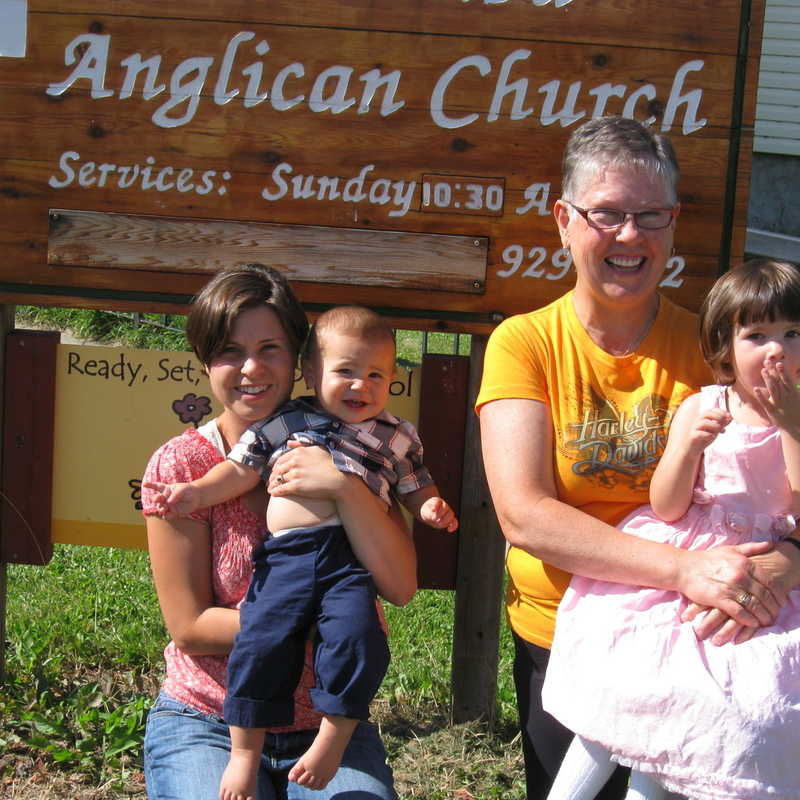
337 89
675 266
380 192
563 109
538 263
145 176
537 195
330 91
450 193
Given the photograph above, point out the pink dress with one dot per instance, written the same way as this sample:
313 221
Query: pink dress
708 722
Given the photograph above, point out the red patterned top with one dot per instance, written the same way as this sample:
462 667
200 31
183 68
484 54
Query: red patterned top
199 681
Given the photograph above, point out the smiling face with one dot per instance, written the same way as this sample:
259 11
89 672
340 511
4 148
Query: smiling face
617 269
758 343
351 375
253 373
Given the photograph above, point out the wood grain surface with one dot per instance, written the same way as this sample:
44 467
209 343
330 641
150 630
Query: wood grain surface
435 120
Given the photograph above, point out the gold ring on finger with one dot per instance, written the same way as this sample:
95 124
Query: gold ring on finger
744 598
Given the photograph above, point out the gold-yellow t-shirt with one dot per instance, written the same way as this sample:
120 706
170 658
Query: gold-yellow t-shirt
610 418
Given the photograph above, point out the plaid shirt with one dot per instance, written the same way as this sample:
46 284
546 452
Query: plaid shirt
385 452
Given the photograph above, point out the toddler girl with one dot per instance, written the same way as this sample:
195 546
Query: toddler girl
626 673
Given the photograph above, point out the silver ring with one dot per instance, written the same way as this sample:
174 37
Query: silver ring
743 599
280 479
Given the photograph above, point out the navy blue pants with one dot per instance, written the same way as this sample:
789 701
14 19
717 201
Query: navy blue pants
304 577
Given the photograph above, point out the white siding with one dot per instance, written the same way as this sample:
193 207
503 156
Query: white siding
778 101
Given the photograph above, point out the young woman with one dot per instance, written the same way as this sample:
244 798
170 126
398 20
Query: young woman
246 327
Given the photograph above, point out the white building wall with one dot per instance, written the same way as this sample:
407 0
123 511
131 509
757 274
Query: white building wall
777 128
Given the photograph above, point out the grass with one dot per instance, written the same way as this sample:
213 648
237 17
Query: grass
84 664
81 665
149 331
84 659
157 332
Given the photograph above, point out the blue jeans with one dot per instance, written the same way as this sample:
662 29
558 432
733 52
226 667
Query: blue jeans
186 751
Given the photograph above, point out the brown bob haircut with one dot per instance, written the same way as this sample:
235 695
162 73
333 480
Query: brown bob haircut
760 290
354 320
233 290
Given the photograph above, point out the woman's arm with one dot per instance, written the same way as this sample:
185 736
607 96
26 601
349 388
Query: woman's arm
180 559
380 541
517 441
690 432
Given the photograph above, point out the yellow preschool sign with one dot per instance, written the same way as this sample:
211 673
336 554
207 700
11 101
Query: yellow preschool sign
114 407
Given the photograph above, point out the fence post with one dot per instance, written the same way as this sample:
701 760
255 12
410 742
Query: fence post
6 324
479 580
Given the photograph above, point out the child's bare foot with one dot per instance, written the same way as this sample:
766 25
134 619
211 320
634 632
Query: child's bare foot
315 768
240 776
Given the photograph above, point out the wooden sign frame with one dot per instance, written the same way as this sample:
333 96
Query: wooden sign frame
362 146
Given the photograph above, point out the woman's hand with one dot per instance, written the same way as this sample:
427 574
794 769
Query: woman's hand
716 626
779 567
307 471
380 541
716 578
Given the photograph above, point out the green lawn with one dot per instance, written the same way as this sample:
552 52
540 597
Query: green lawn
84 662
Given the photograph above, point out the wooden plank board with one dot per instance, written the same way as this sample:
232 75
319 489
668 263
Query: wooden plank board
701 25
303 253
28 436
442 421
481 557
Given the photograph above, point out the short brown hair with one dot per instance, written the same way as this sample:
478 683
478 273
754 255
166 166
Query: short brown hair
355 320
757 291
231 291
618 143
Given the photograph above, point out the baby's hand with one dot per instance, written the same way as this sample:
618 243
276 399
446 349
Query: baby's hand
437 513
779 397
708 425
174 499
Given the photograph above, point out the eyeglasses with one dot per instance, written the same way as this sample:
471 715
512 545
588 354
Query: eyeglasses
612 219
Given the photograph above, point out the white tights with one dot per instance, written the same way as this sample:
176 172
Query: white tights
586 768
